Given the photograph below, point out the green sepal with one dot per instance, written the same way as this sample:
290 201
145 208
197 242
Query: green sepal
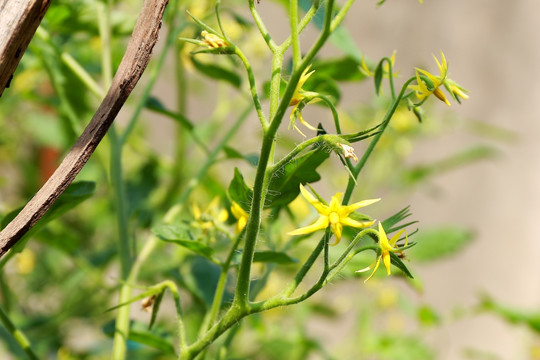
361 135
155 309
396 261
417 110
378 76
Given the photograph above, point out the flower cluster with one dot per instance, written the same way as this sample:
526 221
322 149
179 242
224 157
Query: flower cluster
427 83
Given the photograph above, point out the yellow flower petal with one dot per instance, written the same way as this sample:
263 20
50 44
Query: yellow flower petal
321 224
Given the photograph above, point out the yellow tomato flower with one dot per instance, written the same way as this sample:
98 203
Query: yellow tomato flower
241 216
431 83
298 96
386 247
334 215
211 216
298 92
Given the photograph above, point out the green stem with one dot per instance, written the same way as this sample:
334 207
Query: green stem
253 88
73 65
241 298
122 319
262 28
220 288
341 15
18 335
386 120
104 22
299 148
303 23
335 114
275 82
293 18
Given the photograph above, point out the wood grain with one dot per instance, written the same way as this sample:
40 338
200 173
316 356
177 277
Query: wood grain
19 20
131 68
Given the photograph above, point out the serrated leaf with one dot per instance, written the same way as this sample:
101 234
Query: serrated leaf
179 234
436 243
217 72
239 191
273 257
284 186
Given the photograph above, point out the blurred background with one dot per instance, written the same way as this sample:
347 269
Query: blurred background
492 48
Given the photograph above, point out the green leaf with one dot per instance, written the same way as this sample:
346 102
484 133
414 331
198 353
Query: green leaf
217 72
324 85
339 69
284 186
74 194
239 191
531 318
231 153
436 243
200 277
156 341
427 316
273 257
155 105
181 235
422 172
